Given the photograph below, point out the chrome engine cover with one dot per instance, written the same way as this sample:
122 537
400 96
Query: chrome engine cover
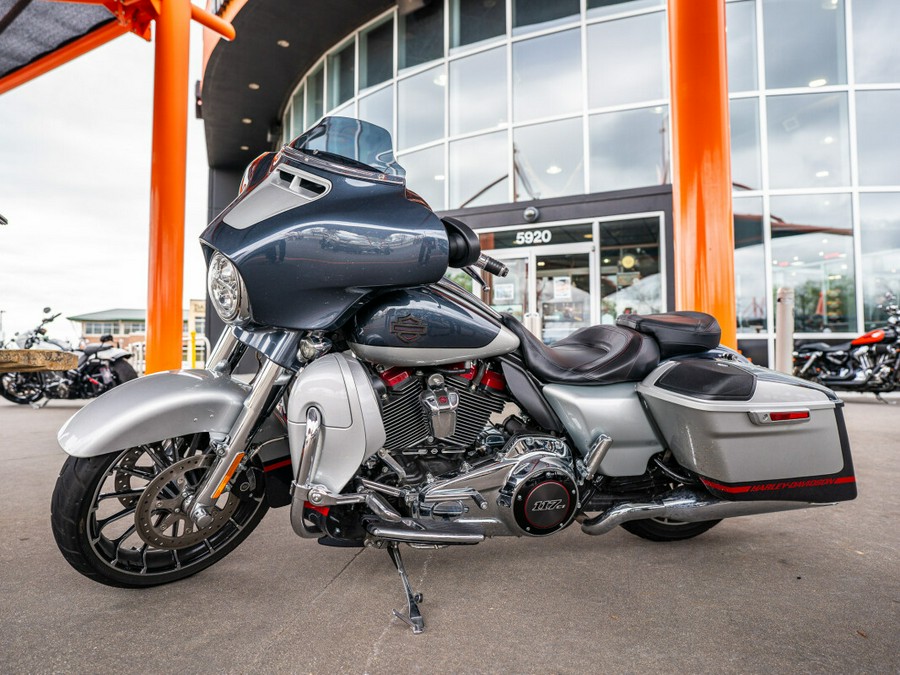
528 489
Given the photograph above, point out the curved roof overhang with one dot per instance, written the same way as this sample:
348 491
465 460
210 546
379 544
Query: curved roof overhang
309 27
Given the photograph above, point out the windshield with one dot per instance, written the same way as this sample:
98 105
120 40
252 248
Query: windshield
352 143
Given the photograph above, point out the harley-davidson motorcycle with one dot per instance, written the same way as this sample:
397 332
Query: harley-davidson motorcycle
100 367
870 363
391 406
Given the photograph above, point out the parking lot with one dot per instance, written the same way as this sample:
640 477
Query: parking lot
813 591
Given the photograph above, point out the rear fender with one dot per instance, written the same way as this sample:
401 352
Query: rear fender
163 405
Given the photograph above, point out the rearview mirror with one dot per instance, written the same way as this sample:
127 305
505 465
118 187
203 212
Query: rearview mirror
3 221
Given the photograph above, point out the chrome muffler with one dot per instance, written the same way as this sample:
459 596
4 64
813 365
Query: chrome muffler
686 506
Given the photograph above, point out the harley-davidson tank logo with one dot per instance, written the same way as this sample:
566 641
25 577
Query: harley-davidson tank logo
408 328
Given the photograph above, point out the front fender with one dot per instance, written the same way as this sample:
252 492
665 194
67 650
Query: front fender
163 405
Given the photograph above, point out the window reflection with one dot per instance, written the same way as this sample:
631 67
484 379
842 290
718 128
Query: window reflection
749 265
745 162
606 7
614 79
472 21
479 171
878 137
879 216
740 18
341 72
421 107
296 126
812 252
808 145
478 92
548 160
804 43
551 63
542 14
629 149
315 96
630 282
876 49
425 174
378 108
376 54
421 35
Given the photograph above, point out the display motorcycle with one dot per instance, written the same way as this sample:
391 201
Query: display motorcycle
100 368
870 363
393 407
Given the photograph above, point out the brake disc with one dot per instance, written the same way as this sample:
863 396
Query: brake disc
123 477
160 518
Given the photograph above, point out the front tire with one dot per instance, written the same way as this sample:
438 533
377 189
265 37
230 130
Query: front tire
21 388
96 499
666 529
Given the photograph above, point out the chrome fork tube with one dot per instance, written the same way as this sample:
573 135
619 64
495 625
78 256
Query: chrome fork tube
230 452
223 356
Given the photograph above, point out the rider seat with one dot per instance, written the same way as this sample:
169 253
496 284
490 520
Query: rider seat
592 355
676 333
94 348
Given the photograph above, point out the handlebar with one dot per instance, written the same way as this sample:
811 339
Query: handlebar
491 266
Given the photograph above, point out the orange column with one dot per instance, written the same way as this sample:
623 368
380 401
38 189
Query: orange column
701 162
167 186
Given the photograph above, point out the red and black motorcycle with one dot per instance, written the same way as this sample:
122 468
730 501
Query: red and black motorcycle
867 364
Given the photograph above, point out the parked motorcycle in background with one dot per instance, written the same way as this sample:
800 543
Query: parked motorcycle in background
100 368
867 364
391 406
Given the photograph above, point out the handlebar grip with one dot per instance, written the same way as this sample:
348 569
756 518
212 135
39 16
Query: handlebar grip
491 266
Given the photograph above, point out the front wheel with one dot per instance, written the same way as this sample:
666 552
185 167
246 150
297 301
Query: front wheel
666 529
21 388
118 518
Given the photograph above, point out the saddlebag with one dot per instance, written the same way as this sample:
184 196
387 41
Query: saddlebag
751 433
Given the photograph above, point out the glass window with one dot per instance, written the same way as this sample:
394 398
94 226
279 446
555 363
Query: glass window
478 92
642 75
740 18
876 49
812 252
421 35
551 63
749 265
549 160
421 107
745 157
541 13
376 54
472 21
315 96
878 137
879 216
378 108
630 282
200 324
804 42
808 145
606 7
629 149
425 174
479 171
296 120
341 71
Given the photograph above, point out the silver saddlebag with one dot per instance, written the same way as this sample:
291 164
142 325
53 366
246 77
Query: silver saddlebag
752 433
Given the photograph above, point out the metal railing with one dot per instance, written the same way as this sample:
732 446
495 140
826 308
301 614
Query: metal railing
195 350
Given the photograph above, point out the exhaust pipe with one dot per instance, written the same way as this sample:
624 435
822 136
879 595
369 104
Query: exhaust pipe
686 506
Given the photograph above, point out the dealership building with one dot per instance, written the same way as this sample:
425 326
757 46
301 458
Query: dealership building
546 126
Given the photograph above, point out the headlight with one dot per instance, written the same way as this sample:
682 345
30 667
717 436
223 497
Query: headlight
226 290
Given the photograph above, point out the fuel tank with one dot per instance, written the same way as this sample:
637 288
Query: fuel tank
432 324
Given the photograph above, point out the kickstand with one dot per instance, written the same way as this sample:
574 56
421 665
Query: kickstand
413 617
37 405
885 401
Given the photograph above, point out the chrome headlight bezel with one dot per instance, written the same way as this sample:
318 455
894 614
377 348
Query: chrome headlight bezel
227 291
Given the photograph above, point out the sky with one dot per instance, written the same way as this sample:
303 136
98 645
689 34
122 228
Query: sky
75 187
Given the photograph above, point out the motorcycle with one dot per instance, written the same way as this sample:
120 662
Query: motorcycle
391 406
100 368
867 364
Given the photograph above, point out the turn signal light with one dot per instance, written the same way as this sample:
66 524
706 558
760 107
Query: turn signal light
787 416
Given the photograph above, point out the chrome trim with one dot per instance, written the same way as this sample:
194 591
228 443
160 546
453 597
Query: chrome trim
686 506
596 454
220 356
424 536
763 418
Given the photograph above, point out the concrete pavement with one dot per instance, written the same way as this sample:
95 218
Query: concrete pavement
814 591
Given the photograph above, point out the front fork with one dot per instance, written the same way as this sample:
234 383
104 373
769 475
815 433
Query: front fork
230 451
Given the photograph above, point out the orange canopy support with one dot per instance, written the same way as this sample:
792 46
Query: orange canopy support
168 165
701 162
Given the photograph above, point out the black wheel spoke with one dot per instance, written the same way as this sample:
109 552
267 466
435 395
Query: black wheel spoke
120 493
113 518
137 472
124 536
161 461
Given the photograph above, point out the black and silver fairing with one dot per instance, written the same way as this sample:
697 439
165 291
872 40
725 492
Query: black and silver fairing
317 233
